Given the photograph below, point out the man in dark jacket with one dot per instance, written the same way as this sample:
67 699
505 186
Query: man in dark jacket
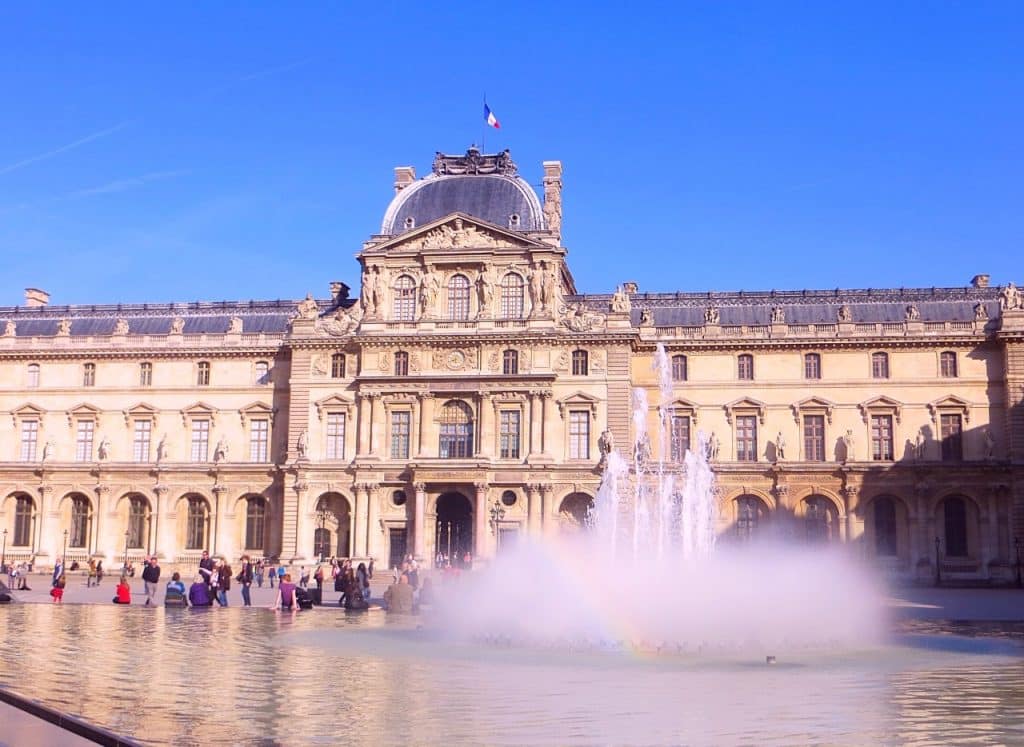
150 577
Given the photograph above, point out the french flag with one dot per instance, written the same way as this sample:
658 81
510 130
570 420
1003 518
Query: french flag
490 118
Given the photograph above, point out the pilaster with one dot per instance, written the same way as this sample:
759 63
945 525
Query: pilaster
419 509
480 544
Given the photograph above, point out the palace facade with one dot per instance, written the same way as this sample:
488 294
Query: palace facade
469 393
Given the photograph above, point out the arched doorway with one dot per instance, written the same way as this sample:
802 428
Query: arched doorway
751 513
574 513
331 537
821 520
454 534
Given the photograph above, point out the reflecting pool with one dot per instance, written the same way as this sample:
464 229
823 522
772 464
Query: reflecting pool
252 676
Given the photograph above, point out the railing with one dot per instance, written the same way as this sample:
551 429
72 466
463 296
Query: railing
825 329
893 328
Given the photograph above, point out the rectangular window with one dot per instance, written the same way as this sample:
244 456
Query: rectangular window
401 425
952 438
203 373
812 366
745 367
814 438
23 521
200 440
680 437
880 365
141 440
33 376
881 437
509 434
145 374
83 440
579 434
335 435
746 438
29 439
259 439
947 364
89 374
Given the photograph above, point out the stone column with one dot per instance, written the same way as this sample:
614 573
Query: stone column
536 425
371 430
426 416
221 531
480 508
373 528
545 411
363 442
419 509
163 546
487 434
101 527
362 490
847 528
47 525
534 509
550 510
296 529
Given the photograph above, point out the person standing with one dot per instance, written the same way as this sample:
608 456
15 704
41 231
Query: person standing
99 572
369 569
57 592
58 571
281 573
303 577
223 583
259 573
150 578
245 579
92 573
206 569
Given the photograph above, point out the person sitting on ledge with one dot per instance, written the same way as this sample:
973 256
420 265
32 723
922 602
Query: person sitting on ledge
199 594
286 594
124 592
398 597
174 594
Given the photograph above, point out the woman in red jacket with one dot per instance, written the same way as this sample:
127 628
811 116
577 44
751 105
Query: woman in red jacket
124 592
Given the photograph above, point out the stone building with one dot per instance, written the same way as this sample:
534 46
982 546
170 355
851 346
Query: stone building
470 392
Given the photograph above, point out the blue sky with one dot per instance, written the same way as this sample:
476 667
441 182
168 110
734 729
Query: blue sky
246 151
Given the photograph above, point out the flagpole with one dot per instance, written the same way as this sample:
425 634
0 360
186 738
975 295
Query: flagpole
483 130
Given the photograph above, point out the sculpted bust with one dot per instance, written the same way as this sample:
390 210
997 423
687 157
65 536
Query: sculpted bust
177 325
620 301
121 327
234 326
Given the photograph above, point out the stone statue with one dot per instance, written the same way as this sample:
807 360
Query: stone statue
990 444
535 291
553 210
713 447
547 290
485 291
1010 298
642 451
48 450
912 313
778 315
64 328
605 444
980 312
307 308
620 301
780 447
711 315
919 445
366 292
9 328
844 314
302 444
103 450
177 325
377 287
121 327
848 445
220 451
429 289
234 326
161 449
646 318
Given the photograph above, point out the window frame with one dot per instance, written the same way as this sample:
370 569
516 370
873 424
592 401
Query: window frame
579 434
203 373
458 290
513 296
509 362
455 436
197 523
403 300
812 443
878 424
85 438
338 365
400 433
138 524
335 436
812 366
199 440
746 426
949 365
33 374
401 366
510 433
89 374
880 365
141 447
24 521
259 440
745 367
580 359
28 450
145 374
255 522
80 522
679 367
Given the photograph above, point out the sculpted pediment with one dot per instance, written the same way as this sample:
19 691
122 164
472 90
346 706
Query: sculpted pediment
456 232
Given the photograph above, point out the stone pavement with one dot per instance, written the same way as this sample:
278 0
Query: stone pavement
21 728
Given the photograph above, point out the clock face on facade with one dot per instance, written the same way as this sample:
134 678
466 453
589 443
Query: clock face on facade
456 359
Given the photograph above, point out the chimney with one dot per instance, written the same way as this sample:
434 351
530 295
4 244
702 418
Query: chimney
553 196
404 176
980 281
34 298
339 291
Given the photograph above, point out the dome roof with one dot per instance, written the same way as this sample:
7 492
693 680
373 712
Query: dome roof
483 186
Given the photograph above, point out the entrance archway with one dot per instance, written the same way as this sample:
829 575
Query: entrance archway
454 534
574 513
333 520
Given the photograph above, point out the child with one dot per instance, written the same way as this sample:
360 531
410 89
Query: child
57 592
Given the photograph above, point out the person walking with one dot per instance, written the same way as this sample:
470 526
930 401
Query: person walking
303 577
57 592
271 573
318 576
245 580
223 583
91 579
99 572
150 578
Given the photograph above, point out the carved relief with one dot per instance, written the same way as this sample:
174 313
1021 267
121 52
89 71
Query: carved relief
620 303
177 325
121 327
234 326
980 312
912 313
384 361
414 362
562 361
578 318
711 315
454 235
307 308
9 328
63 328
318 365
342 322
597 360
453 360
844 314
778 315
474 162
1010 298
493 361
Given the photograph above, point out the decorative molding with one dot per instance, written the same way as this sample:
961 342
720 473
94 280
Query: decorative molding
743 405
140 410
84 411
199 410
813 405
950 403
335 402
879 404
578 399
256 409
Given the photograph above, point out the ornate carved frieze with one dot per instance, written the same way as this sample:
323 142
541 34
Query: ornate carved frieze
474 162
454 359
577 318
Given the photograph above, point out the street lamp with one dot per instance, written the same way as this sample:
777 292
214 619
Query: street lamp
497 514
321 514
65 556
3 557
938 570
126 551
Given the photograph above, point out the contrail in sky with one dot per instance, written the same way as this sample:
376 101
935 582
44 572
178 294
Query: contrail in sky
65 148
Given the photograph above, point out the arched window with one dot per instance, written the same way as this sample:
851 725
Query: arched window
401 363
338 366
255 522
510 362
197 530
322 536
748 516
954 514
885 526
89 374
456 431
745 367
580 363
138 522
819 518
203 373
512 289
812 366
678 368
947 364
33 376
262 371
458 298
880 365
24 521
81 522
146 374
404 303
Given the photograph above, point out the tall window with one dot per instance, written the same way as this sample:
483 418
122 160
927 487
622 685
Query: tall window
679 437
818 518
512 288
458 298
510 362
197 523
338 366
880 365
203 373
146 374
951 427
81 521
746 438
33 376
89 374
200 440
141 440
403 307
335 435
138 522
456 431
745 367
885 526
259 440
401 427
812 366
255 522
262 373
954 514
881 437
579 434
83 440
580 363
814 438
947 364
509 434
24 521
401 363
29 439
748 513
678 368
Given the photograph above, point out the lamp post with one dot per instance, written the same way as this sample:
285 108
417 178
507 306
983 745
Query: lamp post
321 514
938 570
3 557
64 557
1016 547
497 514
126 551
